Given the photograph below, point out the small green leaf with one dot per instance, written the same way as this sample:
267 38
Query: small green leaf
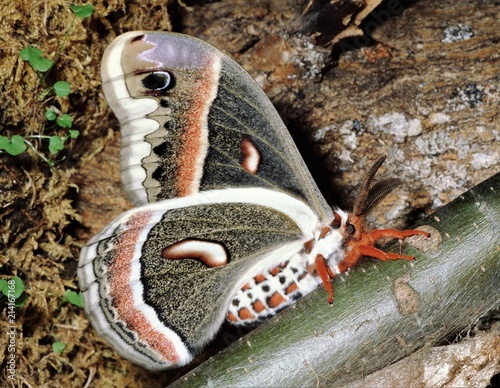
73 133
75 298
62 88
56 144
58 346
41 64
36 59
13 146
65 120
50 114
19 286
82 11
30 52
19 294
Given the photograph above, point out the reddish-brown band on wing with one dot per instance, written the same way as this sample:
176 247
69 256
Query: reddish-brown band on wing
122 293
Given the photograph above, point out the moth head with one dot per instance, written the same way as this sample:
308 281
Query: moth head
355 241
369 196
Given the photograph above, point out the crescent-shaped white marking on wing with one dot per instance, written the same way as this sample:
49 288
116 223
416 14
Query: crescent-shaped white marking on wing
209 253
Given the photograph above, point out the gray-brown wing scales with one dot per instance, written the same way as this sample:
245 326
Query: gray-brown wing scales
239 113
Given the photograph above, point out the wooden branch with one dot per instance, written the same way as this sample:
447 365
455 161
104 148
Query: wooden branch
382 312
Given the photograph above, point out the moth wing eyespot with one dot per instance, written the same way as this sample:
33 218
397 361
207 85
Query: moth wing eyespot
158 81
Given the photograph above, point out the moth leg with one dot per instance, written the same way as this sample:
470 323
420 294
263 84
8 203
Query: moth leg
326 275
394 233
365 247
366 250
375 235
